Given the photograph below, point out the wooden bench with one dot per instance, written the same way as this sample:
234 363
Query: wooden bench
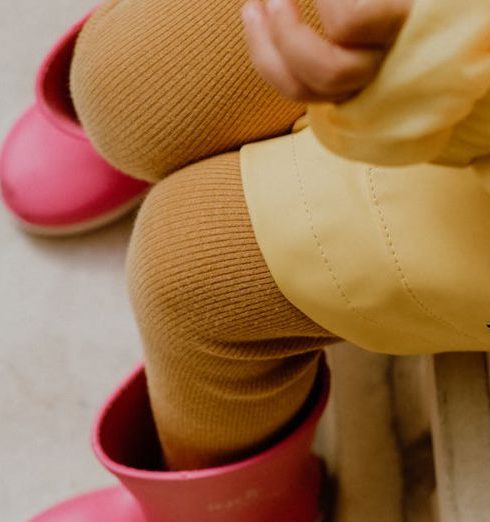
459 391
394 424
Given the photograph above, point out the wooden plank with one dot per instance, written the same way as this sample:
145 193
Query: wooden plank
358 438
458 387
371 427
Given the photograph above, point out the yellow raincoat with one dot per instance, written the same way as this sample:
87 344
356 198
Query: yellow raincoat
375 219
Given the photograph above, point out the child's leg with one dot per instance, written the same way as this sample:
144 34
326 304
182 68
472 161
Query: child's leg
229 360
158 84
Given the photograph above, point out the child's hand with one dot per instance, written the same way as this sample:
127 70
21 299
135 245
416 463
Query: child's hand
304 66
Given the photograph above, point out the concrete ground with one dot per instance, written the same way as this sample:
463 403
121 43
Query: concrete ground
66 331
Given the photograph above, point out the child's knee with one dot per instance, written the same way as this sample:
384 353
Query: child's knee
158 85
109 72
178 263
157 272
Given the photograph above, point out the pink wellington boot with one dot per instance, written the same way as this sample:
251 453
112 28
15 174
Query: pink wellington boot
282 484
52 179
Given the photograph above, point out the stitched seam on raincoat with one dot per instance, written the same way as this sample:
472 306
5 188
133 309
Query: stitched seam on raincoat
325 259
323 255
403 278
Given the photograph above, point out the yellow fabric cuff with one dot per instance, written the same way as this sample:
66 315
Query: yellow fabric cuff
429 101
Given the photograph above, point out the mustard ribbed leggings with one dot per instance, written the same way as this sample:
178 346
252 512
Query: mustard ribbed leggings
159 84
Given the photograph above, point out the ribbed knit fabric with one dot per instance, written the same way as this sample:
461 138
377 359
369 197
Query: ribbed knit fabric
229 360
158 84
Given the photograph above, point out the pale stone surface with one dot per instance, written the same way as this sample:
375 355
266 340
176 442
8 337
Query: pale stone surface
66 331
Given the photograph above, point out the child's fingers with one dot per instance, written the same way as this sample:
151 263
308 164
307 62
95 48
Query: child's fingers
326 69
361 22
264 55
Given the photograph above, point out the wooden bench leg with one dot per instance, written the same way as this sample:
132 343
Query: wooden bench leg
375 434
458 387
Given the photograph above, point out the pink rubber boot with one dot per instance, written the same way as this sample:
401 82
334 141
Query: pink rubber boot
52 180
281 484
